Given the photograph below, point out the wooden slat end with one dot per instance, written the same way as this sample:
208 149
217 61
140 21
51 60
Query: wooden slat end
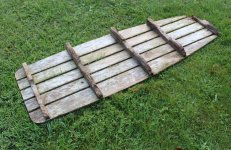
151 24
68 46
114 29
115 34
27 71
149 19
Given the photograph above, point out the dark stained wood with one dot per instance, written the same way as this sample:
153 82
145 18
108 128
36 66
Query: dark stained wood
35 90
120 39
177 46
83 70
207 25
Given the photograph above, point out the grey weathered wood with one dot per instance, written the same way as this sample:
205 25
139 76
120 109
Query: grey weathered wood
88 47
167 38
35 90
109 50
120 39
206 24
111 71
65 93
83 70
150 45
78 100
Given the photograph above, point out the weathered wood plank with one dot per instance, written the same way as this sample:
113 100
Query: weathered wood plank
172 42
157 52
65 90
85 72
52 72
178 24
78 100
27 93
192 28
113 60
37 116
87 47
123 81
108 72
59 80
194 37
72 102
31 105
114 70
192 48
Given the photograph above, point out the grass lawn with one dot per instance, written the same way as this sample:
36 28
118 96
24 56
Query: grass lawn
187 106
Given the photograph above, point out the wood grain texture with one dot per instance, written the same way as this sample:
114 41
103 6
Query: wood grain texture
85 72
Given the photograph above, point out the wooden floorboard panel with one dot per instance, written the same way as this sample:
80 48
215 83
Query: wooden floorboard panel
63 88
77 85
27 93
101 64
76 100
